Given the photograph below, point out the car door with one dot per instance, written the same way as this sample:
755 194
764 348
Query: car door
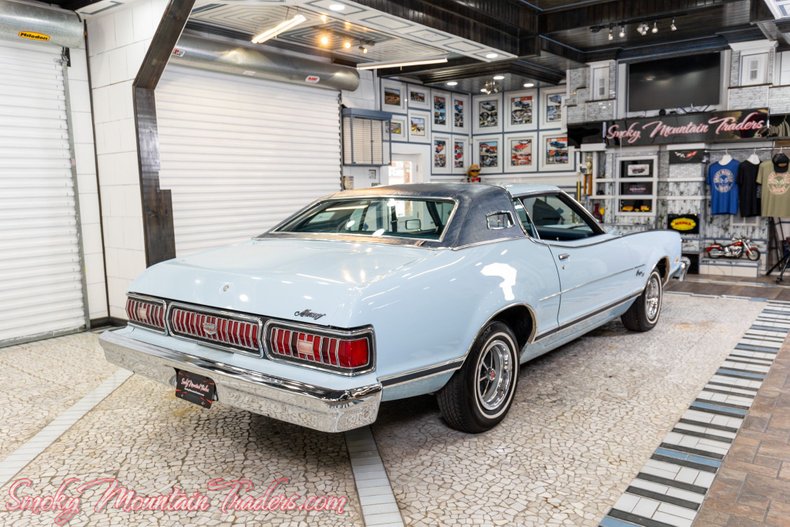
596 269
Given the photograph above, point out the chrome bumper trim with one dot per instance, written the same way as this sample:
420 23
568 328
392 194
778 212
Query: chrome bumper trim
685 264
295 402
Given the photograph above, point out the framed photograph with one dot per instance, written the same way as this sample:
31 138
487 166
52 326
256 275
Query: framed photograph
488 153
393 96
442 154
555 152
487 114
418 97
460 112
419 126
638 170
440 108
460 155
552 109
398 128
521 152
521 109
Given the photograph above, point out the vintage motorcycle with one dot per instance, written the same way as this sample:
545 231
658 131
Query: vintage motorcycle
735 249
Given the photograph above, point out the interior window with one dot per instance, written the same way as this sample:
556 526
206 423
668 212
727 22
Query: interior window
555 217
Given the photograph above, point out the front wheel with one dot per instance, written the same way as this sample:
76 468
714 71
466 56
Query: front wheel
644 312
479 395
753 254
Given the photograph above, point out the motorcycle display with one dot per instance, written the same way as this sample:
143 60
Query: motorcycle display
735 249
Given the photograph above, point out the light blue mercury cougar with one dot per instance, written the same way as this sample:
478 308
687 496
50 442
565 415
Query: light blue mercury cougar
380 294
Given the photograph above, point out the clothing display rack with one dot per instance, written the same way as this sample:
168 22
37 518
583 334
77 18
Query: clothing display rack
778 244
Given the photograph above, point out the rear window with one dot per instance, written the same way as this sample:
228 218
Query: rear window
388 217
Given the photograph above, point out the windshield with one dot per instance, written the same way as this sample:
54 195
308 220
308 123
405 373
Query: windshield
380 216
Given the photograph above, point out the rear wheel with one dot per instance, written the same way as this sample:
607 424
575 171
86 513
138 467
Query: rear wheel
644 312
479 395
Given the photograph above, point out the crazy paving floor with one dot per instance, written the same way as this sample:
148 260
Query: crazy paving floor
586 420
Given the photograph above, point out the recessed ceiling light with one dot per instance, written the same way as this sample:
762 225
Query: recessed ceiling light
347 44
336 7
324 40
324 19
452 83
498 77
492 55
529 84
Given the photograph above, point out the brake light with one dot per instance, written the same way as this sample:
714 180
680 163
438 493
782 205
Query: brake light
149 313
339 352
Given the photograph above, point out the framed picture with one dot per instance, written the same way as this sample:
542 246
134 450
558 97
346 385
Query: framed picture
398 128
442 154
521 152
521 109
552 109
488 153
440 108
460 155
555 152
460 112
419 126
393 96
487 114
418 97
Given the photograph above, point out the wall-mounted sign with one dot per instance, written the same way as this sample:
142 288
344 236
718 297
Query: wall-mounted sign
686 156
709 127
683 223
32 35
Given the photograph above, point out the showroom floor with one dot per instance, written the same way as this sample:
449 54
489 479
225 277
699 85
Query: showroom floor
587 420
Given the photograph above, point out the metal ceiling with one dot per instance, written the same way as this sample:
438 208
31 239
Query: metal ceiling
536 40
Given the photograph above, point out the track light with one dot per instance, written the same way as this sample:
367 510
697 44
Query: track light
622 31
611 36
655 27
673 27
279 28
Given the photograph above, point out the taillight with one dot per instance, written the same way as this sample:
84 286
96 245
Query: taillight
149 313
353 352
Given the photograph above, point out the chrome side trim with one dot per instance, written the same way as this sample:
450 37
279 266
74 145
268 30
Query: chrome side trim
325 409
422 373
581 319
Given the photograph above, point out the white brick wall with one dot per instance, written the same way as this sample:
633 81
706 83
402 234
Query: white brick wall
118 41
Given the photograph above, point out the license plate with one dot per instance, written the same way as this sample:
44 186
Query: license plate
195 388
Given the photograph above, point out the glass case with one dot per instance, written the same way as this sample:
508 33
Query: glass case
636 186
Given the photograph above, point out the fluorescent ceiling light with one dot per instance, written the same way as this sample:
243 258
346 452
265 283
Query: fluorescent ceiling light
395 64
452 83
279 28
529 84
499 77
492 55
336 7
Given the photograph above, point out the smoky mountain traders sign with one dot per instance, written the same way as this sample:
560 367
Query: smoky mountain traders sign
711 127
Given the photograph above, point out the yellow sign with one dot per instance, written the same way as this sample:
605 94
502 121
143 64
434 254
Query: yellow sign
32 35
683 224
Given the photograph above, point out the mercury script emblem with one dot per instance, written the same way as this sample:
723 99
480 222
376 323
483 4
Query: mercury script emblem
309 314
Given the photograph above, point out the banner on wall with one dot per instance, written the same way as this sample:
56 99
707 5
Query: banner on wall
707 127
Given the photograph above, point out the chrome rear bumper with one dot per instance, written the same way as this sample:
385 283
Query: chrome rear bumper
685 264
287 400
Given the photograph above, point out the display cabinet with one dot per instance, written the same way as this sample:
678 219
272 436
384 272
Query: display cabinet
636 186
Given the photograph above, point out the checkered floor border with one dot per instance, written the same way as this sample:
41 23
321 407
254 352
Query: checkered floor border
669 489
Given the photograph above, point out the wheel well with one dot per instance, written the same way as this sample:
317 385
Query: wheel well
519 319
663 269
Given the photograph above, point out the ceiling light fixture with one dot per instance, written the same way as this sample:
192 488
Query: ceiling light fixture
324 40
279 28
363 49
499 77
452 83
396 64
673 27
490 87
492 55
336 7
655 27
347 44
529 84
622 31
611 36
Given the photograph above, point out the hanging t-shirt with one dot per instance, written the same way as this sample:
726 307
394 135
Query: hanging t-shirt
775 191
723 187
748 197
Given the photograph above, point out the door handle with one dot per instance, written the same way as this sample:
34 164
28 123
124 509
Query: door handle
564 256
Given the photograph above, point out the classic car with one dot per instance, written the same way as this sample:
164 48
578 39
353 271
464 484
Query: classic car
386 293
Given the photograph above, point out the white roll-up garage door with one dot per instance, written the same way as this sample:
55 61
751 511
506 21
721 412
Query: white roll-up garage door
41 283
240 154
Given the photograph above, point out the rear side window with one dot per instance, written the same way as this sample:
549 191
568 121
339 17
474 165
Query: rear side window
556 217
383 217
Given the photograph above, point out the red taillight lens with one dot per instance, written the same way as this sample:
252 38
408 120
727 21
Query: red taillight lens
146 312
334 351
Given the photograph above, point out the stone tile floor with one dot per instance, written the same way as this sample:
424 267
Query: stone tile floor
585 419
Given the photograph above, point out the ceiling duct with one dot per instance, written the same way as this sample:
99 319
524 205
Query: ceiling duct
260 62
27 22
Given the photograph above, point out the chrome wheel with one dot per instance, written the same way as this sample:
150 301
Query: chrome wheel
653 298
495 374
